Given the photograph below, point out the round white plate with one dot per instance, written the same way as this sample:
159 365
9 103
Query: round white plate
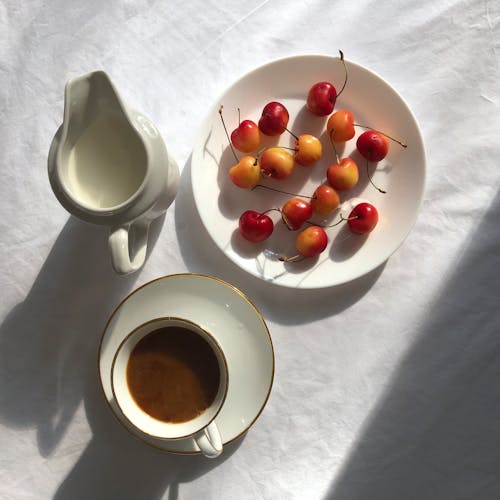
229 315
402 173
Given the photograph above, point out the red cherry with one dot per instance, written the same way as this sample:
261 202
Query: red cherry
373 145
254 226
323 95
274 119
321 98
363 218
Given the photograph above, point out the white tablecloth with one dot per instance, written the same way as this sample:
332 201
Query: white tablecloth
387 388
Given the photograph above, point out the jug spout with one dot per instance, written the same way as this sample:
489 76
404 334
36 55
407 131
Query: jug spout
101 160
86 98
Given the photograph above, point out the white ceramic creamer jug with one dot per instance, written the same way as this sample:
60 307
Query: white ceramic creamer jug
108 165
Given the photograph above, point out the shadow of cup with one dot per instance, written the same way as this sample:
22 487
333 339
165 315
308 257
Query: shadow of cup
117 464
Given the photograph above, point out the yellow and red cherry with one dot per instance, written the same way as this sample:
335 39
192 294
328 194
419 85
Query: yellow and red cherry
340 126
343 175
246 173
246 137
324 200
311 241
255 226
373 145
322 96
308 149
295 212
274 119
276 163
363 218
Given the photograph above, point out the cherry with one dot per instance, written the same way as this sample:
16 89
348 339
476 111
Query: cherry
276 162
343 175
255 226
322 96
309 243
373 145
324 200
340 126
308 149
274 119
246 137
295 212
363 218
246 173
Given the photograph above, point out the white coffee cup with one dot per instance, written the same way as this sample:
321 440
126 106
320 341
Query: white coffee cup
202 428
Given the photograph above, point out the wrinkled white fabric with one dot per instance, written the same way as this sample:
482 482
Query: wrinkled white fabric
386 388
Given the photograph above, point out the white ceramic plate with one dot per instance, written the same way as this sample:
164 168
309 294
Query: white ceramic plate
402 173
238 327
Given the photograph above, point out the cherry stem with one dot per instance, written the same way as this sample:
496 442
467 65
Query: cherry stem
227 134
370 179
271 210
286 221
345 69
239 117
334 148
295 258
292 134
282 192
402 144
342 219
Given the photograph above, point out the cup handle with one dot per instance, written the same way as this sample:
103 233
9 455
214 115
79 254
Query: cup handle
127 260
209 440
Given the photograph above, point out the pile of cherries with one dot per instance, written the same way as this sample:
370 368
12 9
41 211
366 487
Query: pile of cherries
278 163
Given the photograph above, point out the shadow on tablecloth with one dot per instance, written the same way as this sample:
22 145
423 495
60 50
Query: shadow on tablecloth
47 341
48 365
435 433
115 464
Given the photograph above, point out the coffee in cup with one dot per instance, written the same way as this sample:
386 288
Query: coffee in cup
169 379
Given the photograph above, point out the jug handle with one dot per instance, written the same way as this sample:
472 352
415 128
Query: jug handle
127 258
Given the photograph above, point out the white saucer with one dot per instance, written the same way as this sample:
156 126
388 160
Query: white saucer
235 322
